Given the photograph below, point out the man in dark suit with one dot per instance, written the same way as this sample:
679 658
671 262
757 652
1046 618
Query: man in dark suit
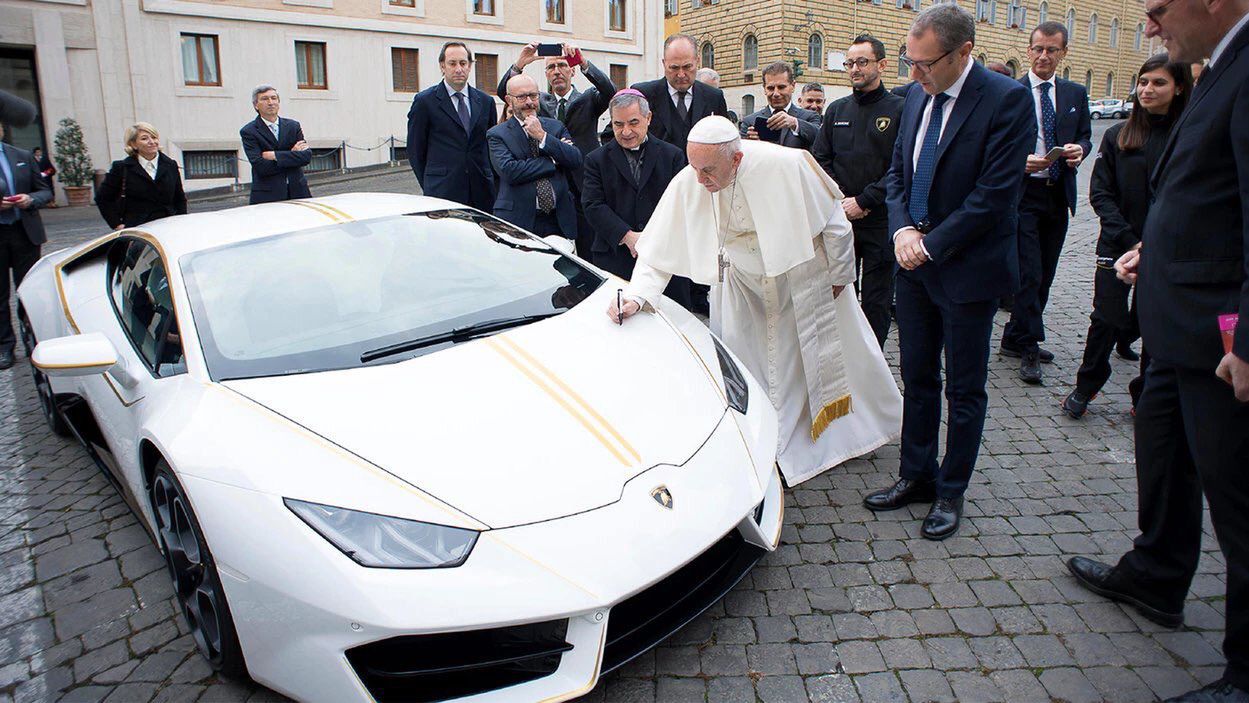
276 149
624 181
579 110
678 101
447 127
798 128
1192 420
812 98
1049 194
22 192
855 147
953 197
534 157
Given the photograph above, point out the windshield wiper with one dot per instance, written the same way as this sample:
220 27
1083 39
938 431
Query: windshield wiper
457 335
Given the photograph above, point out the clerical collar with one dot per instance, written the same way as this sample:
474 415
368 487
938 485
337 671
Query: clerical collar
870 96
638 148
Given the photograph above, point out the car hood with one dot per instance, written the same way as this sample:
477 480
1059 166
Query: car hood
537 423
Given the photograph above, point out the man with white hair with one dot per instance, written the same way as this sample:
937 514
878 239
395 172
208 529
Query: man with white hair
764 226
707 76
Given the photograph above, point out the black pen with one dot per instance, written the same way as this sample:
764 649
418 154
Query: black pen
619 308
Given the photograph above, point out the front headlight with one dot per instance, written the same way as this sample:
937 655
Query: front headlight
734 383
388 542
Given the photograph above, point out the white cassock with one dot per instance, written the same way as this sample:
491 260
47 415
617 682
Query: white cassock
787 243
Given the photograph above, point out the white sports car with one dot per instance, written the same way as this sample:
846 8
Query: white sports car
393 449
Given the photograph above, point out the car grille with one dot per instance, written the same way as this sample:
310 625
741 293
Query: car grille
421 668
648 618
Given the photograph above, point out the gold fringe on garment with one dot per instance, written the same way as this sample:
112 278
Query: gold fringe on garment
838 408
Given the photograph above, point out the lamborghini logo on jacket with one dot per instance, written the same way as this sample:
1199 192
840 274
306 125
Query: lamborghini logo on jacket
882 123
662 496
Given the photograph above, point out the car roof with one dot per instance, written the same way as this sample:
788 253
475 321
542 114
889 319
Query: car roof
185 234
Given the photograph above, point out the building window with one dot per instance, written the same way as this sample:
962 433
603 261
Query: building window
1114 33
750 53
486 73
1066 74
200 63
708 55
815 51
620 76
903 71
748 105
1071 25
404 70
1088 80
982 10
555 11
1043 13
908 4
1093 28
310 65
982 59
398 153
403 3
671 8
483 7
209 164
325 160
993 12
1014 14
616 15
1140 36
1110 85
1013 68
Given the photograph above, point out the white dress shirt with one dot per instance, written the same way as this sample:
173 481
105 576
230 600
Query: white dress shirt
1040 149
689 96
271 126
540 144
149 166
468 104
1227 39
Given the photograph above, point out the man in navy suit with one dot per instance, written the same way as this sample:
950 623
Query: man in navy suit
447 127
796 127
677 100
277 151
1049 194
953 197
535 159
624 180
23 190
1191 268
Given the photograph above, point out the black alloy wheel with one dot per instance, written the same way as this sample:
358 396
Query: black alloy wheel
194 574
43 387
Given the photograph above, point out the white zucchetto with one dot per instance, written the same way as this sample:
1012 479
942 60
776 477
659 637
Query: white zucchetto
713 129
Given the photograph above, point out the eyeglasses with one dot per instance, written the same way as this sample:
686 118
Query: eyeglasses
922 66
856 63
1156 14
1051 50
524 96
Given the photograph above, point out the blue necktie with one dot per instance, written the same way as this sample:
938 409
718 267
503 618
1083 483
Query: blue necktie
461 108
274 128
1048 120
922 180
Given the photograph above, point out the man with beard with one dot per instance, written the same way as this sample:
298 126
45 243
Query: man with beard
812 98
795 126
855 147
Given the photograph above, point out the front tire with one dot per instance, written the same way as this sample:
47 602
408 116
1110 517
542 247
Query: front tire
43 387
195 578
1095 116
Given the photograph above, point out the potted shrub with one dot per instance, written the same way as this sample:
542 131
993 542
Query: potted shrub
73 163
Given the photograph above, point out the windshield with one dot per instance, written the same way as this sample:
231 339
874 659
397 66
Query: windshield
321 299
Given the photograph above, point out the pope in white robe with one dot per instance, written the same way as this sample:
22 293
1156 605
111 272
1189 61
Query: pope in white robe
763 226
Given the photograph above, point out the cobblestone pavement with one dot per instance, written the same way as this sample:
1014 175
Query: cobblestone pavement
854 606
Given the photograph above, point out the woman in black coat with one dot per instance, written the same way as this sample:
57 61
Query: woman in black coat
142 187
1120 195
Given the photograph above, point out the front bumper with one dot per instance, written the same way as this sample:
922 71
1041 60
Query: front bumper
609 584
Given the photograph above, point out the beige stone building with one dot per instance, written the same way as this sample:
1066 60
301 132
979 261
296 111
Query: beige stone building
739 37
346 69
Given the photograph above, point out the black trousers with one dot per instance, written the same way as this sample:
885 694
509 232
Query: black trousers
1042 231
17 254
928 323
1192 436
1113 318
874 260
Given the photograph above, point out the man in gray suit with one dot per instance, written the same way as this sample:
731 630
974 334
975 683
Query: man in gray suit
798 127
578 110
23 191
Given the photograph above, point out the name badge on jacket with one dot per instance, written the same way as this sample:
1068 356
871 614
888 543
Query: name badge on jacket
841 123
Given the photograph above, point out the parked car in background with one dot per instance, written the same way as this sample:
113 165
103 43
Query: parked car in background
1107 107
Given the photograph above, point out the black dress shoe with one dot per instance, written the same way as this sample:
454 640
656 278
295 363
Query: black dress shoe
1221 691
6 355
900 494
1030 368
1104 580
942 520
1075 404
1125 352
1046 356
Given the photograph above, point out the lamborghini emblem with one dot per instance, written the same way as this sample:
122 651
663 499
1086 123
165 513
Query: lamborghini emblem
882 123
662 496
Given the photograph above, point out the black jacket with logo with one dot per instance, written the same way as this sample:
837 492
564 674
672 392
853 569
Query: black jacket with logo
855 146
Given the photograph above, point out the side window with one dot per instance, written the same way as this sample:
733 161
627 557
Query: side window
139 289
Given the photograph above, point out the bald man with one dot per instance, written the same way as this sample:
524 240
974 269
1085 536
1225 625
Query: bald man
534 158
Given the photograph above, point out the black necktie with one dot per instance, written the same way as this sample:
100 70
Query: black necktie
562 112
546 193
682 111
461 107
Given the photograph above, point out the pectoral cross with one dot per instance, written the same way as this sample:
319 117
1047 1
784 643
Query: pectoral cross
723 262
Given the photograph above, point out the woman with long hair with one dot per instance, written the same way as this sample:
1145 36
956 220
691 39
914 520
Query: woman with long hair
1120 196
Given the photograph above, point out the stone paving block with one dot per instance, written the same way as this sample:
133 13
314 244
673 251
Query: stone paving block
1069 684
731 689
669 661
894 623
776 628
835 688
880 688
816 659
771 659
949 653
860 657
70 558
179 693
680 690
996 652
1118 684
904 654
1043 651
926 686
853 626
1190 647
974 687
1016 620
780 689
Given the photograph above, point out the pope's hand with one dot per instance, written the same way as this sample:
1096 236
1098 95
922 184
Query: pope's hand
630 309
1235 371
1127 265
908 250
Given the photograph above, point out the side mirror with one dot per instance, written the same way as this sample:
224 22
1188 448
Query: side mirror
561 244
77 355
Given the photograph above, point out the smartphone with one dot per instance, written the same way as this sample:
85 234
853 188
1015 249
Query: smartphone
1054 154
575 59
12 198
766 133
550 50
